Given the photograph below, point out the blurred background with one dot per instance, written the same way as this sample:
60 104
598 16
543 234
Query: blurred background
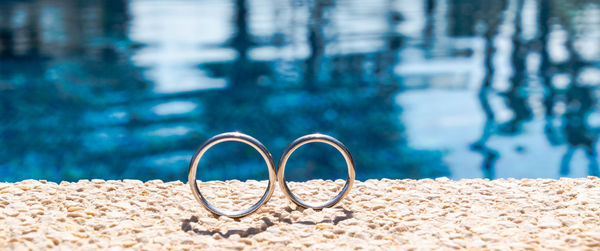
119 89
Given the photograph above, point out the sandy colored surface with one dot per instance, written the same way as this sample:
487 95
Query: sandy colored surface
378 214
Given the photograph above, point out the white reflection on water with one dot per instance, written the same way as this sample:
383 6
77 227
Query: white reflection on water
175 107
174 32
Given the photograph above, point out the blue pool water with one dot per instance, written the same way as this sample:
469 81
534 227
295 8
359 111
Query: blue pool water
120 89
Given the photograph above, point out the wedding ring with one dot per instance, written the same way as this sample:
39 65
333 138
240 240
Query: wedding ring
232 136
309 139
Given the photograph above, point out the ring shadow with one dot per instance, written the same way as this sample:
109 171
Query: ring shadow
186 225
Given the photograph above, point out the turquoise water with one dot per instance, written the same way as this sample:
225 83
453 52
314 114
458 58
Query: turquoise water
415 89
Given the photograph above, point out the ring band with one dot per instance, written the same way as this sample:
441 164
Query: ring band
309 139
231 136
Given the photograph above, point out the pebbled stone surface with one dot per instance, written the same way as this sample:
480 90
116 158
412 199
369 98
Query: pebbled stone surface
386 214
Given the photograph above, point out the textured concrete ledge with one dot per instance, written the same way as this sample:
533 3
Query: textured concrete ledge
378 214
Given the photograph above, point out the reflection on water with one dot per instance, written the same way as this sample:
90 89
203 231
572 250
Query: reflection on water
128 89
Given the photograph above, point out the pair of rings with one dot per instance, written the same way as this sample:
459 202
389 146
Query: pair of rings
273 175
